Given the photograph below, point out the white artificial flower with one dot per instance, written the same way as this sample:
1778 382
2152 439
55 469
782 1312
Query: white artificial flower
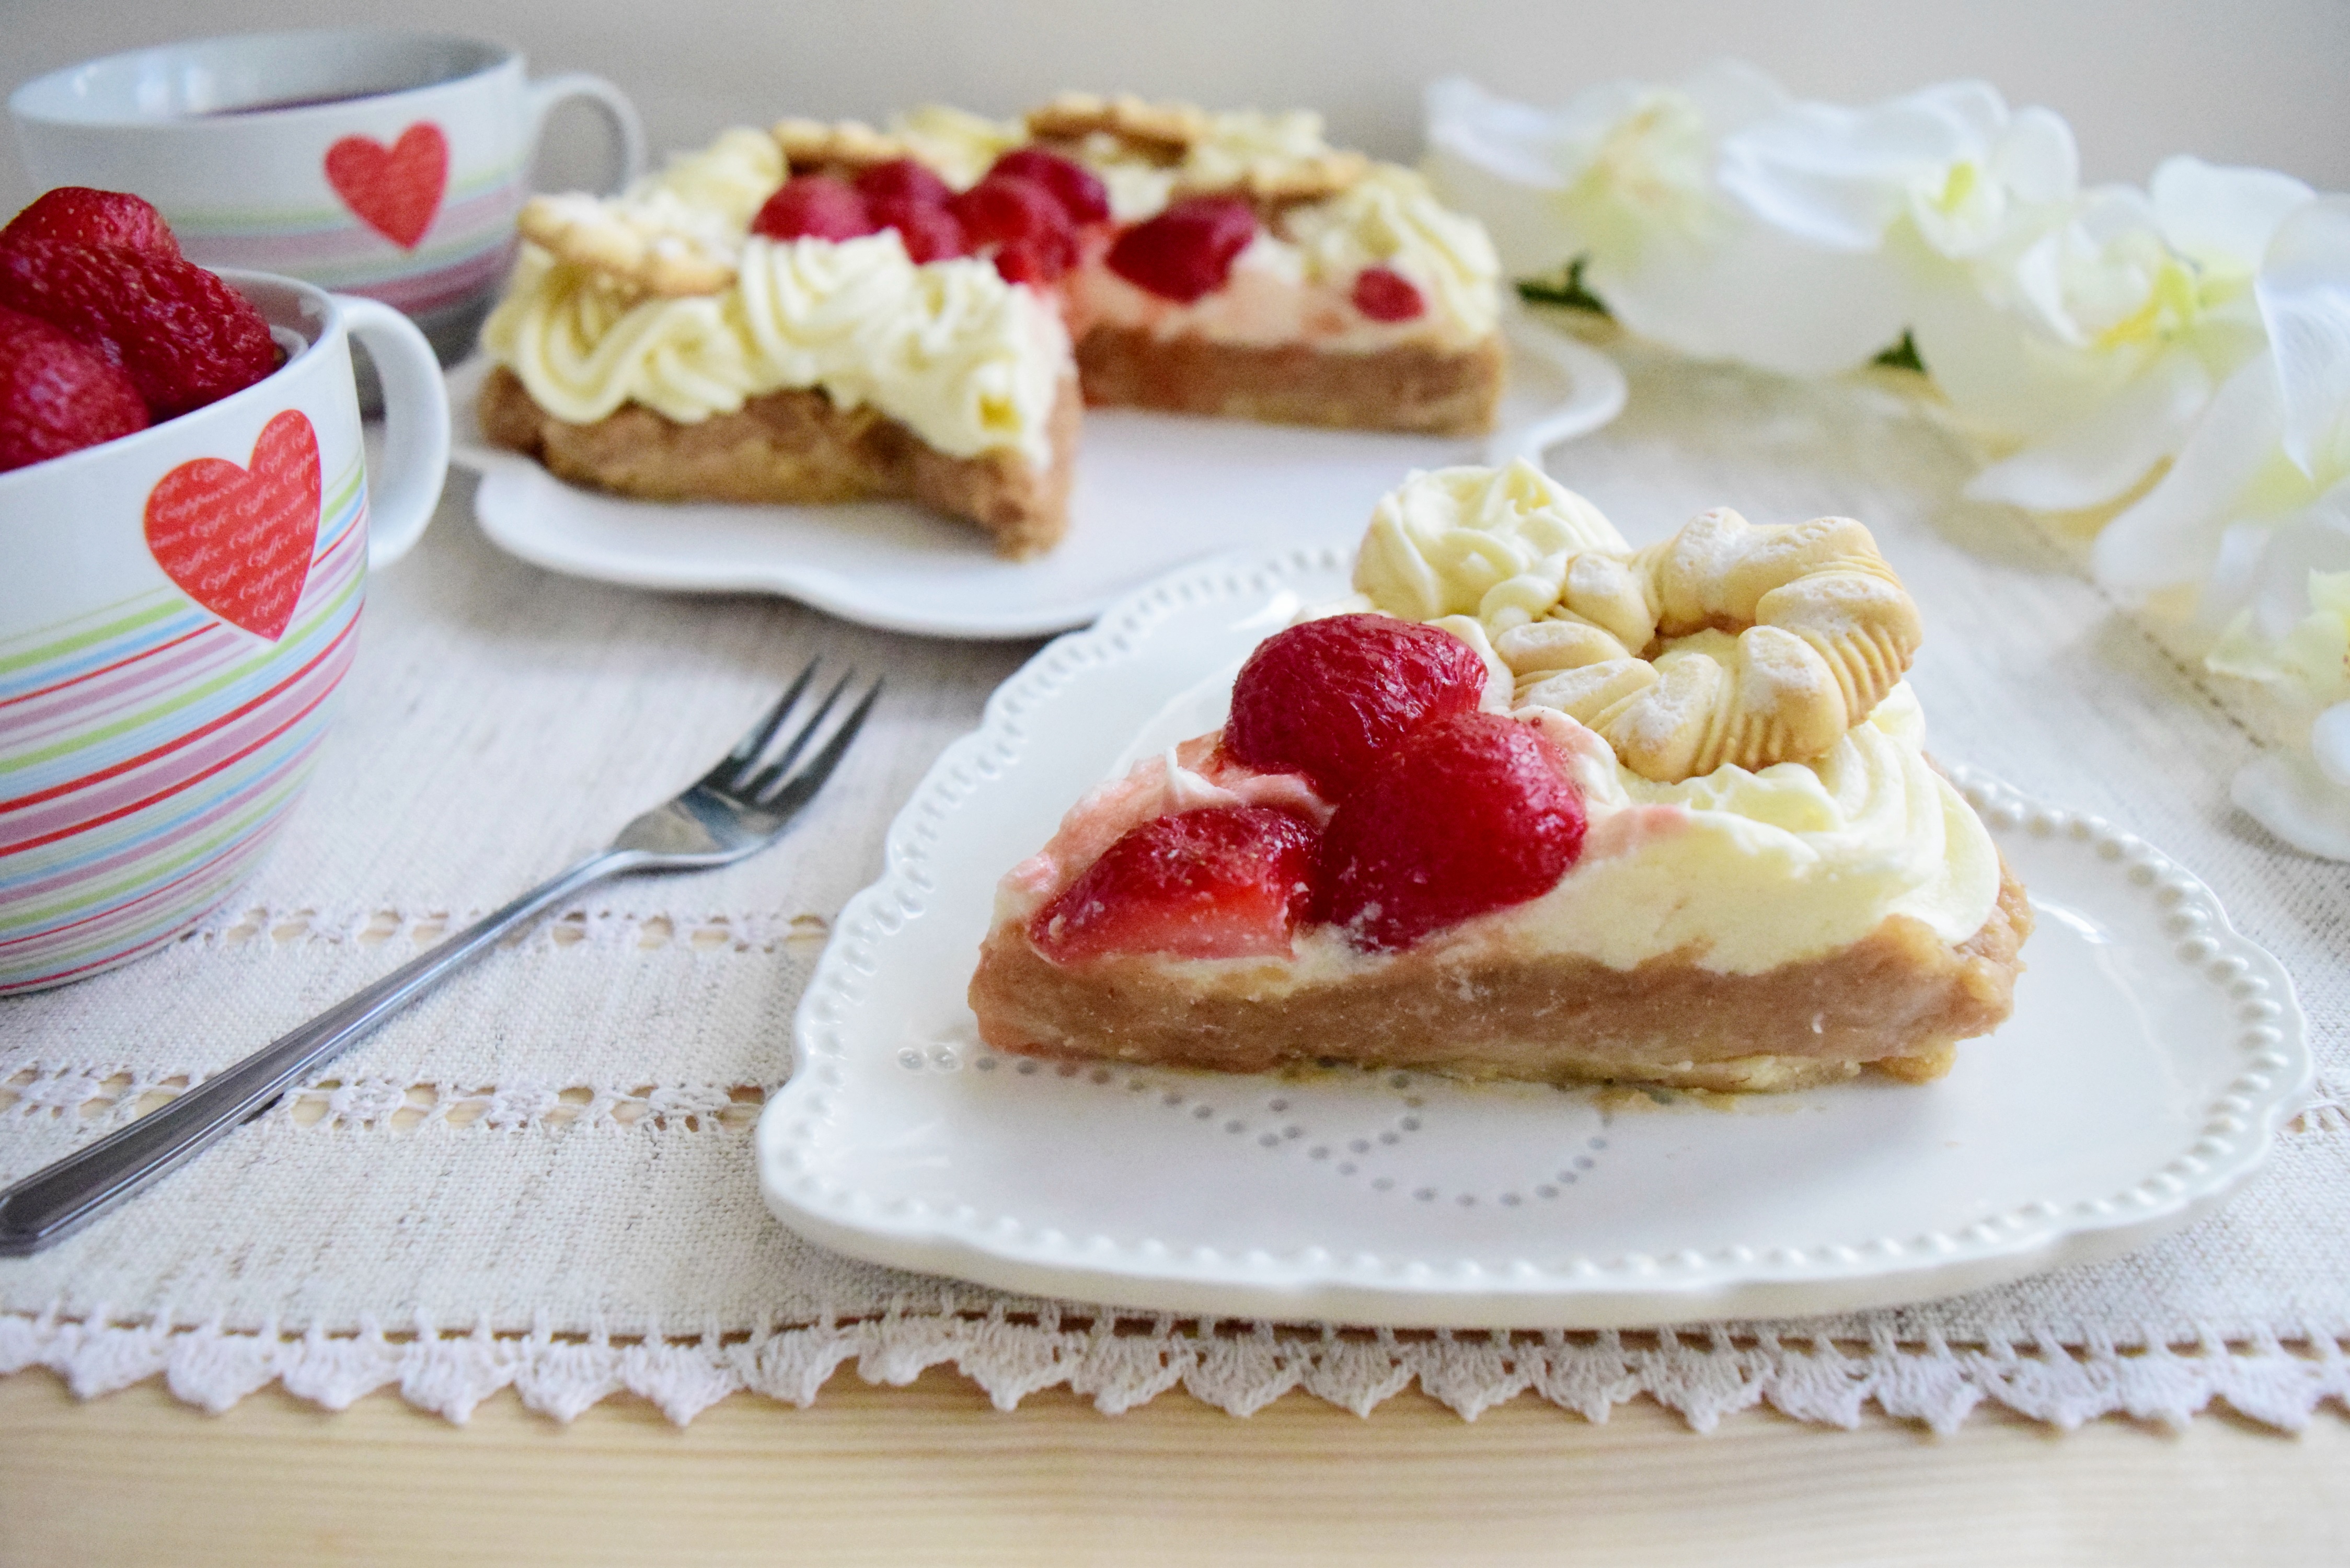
2276 436
2255 516
1949 166
1623 177
2099 344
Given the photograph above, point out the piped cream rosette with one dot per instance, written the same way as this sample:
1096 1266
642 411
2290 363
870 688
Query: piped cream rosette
1731 703
1726 644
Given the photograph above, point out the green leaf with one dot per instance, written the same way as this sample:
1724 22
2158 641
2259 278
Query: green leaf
1902 355
1565 289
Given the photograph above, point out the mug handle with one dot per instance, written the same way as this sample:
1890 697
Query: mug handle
545 95
415 428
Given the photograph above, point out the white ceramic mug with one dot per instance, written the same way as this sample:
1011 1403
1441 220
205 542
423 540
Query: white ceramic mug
381 163
178 609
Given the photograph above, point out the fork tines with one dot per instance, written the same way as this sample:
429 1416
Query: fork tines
754 779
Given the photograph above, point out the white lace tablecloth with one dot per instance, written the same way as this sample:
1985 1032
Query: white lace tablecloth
542 1175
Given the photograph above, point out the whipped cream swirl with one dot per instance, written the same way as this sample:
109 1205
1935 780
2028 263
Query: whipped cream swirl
969 362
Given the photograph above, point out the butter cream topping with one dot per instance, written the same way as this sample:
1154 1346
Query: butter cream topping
971 363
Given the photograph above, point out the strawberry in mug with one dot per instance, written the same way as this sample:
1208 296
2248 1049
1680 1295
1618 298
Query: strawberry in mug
185 521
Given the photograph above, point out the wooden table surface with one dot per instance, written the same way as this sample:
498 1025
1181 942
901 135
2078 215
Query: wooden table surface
931 1474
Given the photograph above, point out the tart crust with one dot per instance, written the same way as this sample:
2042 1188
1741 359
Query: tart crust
1897 1001
796 446
1410 388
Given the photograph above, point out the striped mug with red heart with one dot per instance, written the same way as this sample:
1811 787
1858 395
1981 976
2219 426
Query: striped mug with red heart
382 163
177 610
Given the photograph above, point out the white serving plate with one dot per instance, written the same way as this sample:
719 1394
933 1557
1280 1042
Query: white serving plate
1152 492
2152 1054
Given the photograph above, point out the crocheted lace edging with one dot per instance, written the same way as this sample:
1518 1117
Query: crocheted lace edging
1122 1362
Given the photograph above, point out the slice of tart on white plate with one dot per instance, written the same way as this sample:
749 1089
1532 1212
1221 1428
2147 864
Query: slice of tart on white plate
1536 805
822 312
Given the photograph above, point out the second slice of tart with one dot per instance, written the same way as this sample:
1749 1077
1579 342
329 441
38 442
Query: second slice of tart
828 312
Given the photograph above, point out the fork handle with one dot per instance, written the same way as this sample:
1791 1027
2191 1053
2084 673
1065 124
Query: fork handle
63 1196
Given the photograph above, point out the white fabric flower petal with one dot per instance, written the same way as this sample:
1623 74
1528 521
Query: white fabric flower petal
1756 296
2168 538
1511 142
2222 219
1838 177
2101 455
2329 745
2304 295
1999 369
2302 799
2038 158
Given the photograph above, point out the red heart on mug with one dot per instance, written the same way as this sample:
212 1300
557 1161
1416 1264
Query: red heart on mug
238 540
395 189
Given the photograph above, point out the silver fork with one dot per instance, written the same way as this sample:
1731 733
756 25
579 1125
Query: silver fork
735 809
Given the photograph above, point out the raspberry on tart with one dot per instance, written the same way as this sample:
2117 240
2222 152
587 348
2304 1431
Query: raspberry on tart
1535 873
1159 256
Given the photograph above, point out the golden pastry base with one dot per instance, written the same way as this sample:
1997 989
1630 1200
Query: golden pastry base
1897 1001
796 446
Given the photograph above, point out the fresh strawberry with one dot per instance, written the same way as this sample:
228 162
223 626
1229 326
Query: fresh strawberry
58 396
1227 881
186 338
1038 264
814 206
930 233
903 180
1471 812
1327 698
1188 250
78 216
1024 218
1384 294
1079 190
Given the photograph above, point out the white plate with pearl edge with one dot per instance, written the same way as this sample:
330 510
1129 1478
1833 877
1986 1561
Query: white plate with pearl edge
1152 492
2152 1055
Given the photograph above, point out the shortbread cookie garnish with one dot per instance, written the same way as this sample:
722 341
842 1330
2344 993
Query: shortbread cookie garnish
843 147
1729 644
610 238
1171 128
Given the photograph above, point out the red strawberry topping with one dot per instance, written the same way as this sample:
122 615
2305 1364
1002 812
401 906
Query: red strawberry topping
81 217
58 396
1384 294
186 338
1326 699
1023 220
904 179
1187 251
814 206
1223 882
1079 190
930 233
1471 812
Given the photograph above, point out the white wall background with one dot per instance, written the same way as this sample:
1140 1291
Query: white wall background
2238 81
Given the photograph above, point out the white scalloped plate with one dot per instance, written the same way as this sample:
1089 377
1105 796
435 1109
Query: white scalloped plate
1153 491
2152 1054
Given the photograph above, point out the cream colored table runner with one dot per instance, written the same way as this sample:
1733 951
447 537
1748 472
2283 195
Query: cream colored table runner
542 1175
